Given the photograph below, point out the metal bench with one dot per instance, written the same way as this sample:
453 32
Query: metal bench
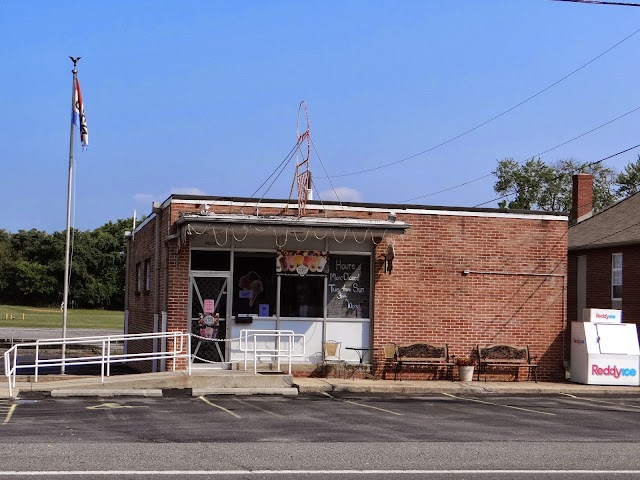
419 354
506 357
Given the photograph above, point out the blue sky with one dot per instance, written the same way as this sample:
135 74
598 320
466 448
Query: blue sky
202 97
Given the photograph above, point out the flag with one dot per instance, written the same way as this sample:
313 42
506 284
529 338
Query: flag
79 120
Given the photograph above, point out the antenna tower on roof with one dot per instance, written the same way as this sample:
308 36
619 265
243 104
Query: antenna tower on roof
303 173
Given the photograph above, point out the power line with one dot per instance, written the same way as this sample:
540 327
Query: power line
531 156
597 2
562 174
466 132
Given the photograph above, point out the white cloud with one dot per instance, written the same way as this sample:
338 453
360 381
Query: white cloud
344 194
187 191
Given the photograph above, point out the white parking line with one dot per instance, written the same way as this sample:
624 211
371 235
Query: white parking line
9 413
363 405
499 405
601 401
220 407
258 408
92 473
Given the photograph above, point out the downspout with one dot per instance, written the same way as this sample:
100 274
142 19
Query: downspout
156 281
127 285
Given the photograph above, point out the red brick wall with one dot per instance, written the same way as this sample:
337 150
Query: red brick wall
599 281
141 304
427 297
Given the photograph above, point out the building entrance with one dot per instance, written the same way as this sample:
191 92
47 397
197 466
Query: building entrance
208 317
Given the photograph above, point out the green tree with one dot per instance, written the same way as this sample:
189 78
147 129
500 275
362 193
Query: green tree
32 264
536 185
629 180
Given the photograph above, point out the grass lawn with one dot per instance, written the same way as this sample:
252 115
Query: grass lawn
31 317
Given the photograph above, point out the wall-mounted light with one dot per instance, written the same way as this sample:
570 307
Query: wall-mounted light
391 217
388 258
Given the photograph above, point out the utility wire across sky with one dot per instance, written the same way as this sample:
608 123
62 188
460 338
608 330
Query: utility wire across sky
510 109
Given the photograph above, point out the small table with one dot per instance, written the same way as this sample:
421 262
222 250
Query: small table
362 352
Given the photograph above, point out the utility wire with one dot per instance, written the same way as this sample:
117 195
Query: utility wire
529 157
286 159
327 174
597 2
492 118
581 167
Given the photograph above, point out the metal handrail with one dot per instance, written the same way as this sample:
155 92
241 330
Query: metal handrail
105 359
277 351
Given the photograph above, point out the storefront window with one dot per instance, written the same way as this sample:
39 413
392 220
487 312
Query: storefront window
348 288
301 296
210 260
254 283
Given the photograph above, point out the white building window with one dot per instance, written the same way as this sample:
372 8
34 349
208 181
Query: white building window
616 276
147 269
138 277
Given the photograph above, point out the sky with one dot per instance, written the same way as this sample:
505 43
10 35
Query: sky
405 99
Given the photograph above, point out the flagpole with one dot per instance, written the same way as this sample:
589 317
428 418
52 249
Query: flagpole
67 247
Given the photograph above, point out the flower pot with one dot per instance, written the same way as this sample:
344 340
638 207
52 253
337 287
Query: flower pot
465 372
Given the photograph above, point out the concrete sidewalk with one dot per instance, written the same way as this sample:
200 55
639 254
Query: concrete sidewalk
218 382
413 387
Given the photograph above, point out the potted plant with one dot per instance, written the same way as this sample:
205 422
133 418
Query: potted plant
465 365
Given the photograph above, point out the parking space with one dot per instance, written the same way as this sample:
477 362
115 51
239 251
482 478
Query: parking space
324 417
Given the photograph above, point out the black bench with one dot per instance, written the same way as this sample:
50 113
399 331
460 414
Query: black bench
418 354
506 356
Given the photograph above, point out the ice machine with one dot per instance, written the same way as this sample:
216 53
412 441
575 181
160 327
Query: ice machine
604 351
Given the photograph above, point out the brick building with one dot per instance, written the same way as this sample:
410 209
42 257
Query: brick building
604 255
362 274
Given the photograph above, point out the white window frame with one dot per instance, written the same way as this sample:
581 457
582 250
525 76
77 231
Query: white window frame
139 277
147 268
616 273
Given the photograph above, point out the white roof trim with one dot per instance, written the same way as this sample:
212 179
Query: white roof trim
350 208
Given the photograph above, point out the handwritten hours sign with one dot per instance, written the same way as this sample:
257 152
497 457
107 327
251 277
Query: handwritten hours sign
348 286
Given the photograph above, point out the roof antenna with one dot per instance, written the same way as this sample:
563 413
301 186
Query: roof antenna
303 175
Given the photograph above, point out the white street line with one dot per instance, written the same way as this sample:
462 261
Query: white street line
363 405
499 405
220 407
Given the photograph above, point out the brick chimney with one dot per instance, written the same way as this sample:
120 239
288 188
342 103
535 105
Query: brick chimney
582 199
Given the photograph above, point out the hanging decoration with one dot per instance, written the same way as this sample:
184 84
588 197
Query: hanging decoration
301 263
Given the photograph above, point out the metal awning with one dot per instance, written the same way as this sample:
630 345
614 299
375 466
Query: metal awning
188 224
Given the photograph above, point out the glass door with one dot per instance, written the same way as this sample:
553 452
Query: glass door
208 317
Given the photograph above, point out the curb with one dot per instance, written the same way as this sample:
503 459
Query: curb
197 392
140 392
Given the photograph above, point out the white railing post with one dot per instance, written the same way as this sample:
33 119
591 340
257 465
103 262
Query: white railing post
37 361
189 353
102 365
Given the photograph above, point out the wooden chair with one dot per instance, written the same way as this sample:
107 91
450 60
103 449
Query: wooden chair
331 355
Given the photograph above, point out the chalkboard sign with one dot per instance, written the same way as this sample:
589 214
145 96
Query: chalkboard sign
348 290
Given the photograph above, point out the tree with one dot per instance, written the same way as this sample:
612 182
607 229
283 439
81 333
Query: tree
536 185
629 180
32 267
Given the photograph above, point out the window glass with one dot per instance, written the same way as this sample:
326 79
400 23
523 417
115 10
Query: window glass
348 287
147 267
138 277
254 283
616 276
301 296
210 260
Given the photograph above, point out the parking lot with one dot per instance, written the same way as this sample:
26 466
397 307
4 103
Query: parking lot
328 432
